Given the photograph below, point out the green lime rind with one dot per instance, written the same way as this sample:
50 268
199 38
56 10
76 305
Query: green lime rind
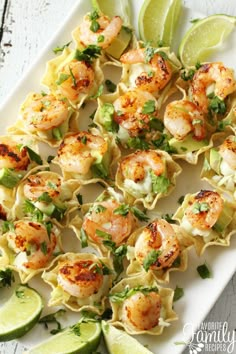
171 22
196 47
20 313
118 341
113 8
70 341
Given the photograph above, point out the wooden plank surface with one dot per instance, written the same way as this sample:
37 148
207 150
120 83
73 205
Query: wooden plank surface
26 26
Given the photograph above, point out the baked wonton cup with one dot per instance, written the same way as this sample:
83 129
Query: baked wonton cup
88 157
79 281
140 305
173 250
29 247
219 168
47 195
208 217
146 176
73 77
46 117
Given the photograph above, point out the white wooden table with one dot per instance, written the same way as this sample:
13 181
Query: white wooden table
26 27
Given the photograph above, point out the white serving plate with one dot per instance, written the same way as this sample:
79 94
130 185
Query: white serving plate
200 295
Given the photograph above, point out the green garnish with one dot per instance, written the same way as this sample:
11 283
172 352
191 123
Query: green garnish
139 214
156 124
99 92
123 210
160 184
48 225
101 38
79 198
107 112
52 318
111 87
62 78
179 292
181 199
127 292
99 208
9 178
6 278
50 158
88 54
149 107
99 170
151 259
200 207
60 49
217 105
45 197
187 75
7 226
20 294
44 248
137 143
83 238
168 218
34 156
204 271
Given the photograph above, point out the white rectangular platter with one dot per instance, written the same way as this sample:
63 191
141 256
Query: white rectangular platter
200 295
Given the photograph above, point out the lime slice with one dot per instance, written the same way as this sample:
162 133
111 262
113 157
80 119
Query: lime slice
118 341
113 8
171 22
154 17
204 36
83 338
20 313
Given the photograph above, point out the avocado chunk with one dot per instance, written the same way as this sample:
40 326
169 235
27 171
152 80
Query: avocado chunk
56 133
189 144
225 219
9 178
215 160
120 43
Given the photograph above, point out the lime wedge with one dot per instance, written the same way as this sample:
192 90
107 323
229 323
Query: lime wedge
171 22
83 338
118 341
20 313
113 8
157 20
204 36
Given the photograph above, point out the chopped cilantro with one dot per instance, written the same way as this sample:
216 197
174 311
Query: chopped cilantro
156 124
34 156
101 38
44 248
123 210
187 75
149 107
200 207
48 226
88 54
79 198
177 262
52 318
84 139
217 105
139 214
94 26
20 294
150 259
107 111
204 271
127 292
137 143
7 226
111 87
6 278
73 77
99 171
50 158
60 49
93 15
45 197
181 199
160 184
99 92
99 208
83 238
179 292
168 218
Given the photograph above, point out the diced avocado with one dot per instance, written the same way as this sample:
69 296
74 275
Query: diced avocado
187 145
225 219
9 178
215 160
47 209
56 133
120 43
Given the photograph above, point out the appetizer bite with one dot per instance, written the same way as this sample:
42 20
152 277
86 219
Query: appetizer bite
220 166
28 247
79 281
159 248
146 176
45 116
140 305
208 217
87 157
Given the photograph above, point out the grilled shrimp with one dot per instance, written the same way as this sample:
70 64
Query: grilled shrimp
40 112
12 155
129 111
142 311
159 236
80 278
183 117
227 151
157 71
31 239
74 78
105 32
204 209
39 183
137 165
78 151
212 74
101 217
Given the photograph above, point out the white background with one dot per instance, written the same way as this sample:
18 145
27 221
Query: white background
27 27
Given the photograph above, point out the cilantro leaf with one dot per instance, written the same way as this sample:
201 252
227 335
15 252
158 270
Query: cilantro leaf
45 197
111 87
217 105
83 238
160 184
34 156
91 52
6 278
200 207
151 259
139 214
52 318
149 107
58 49
123 210
127 292
179 292
204 271
137 143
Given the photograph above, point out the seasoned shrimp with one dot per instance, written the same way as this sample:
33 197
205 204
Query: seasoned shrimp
81 278
142 311
43 113
158 72
204 209
102 218
32 240
106 31
212 74
79 151
129 111
137 165
227 151
74 78
159 236
183 117
12 155
38 184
